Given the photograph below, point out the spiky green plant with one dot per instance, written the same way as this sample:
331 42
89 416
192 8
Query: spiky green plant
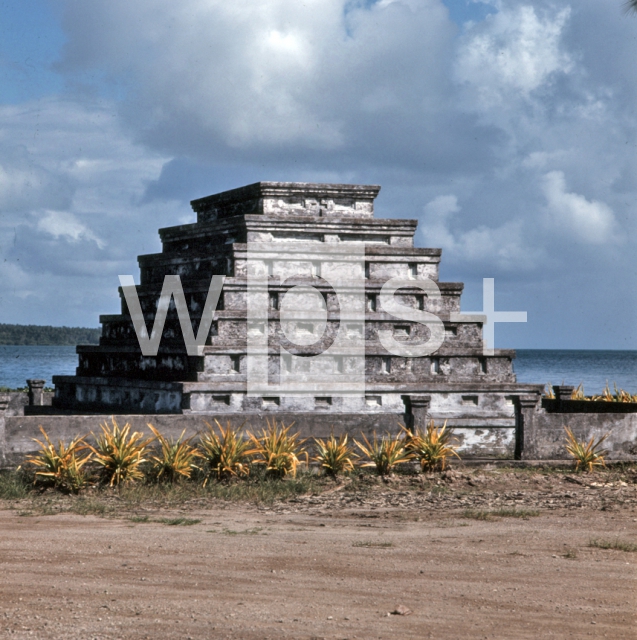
431 447
384 453
586 454
335 456
279 450
120 453
61 467
226 454
177 457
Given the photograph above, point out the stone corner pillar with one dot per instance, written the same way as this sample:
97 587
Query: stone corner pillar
36 392
563 392
526 407
419 410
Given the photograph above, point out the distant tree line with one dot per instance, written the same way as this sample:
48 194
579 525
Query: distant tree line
31 334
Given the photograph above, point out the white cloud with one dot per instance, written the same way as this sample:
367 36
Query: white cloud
209 94
513 52
590 221
242 78
62 224
71 179
503 246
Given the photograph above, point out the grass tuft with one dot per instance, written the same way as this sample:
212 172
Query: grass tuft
13 485
139 519
617 544
178 522
246 532
478 514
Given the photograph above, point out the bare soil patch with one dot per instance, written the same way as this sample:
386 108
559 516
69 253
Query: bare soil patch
473 554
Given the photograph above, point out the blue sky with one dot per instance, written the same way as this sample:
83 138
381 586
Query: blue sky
507 128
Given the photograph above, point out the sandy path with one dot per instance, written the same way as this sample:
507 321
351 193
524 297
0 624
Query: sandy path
246 573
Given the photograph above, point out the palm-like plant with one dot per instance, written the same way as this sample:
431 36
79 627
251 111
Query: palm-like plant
619 396
431 447
586 454
226 454
335 456
61 467
120 453
578 392
384 453
177 457
279 450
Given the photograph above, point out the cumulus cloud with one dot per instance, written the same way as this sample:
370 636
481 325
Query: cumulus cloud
62 224
282 79
590 221
526 116
503 247
513 52
70 190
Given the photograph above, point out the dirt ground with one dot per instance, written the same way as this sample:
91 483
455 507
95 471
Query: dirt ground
335 565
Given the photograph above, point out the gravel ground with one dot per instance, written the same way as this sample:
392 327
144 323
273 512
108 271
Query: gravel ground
469 554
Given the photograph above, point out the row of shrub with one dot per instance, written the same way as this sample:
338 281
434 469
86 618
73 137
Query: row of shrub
118 456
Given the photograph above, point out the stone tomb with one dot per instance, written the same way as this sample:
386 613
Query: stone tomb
285 236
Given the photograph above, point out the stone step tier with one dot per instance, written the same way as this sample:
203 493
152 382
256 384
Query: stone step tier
458 400
379 264
225 364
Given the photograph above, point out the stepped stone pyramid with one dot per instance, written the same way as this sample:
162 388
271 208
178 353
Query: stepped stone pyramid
287 235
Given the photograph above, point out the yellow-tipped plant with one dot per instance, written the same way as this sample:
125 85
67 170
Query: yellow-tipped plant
587 454
61 467
549 392
177 457
431 447
334 456
619 396
624 396
578 392
226 454
279 450
384 453
120 453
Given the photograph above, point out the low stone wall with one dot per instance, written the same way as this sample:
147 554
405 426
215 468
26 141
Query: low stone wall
541 424
19 431
537 432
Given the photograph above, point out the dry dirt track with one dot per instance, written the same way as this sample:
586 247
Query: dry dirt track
244 572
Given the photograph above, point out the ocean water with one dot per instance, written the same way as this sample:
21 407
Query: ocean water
592 368
19 363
